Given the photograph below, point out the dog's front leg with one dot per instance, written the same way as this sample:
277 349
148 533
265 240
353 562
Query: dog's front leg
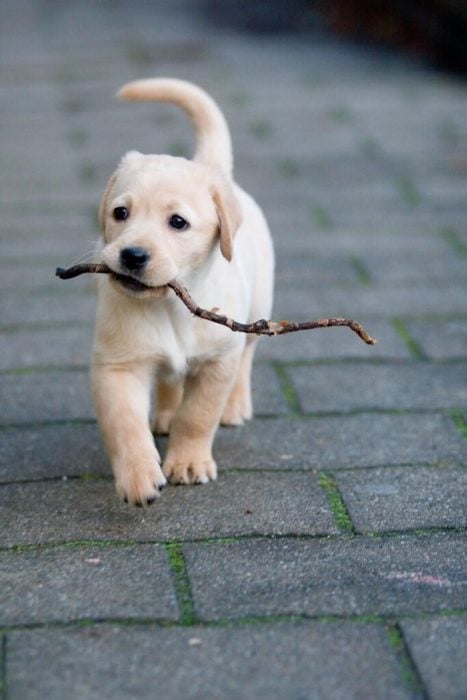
122 401
189 455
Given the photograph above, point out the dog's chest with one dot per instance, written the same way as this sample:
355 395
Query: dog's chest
165 334
182 347
178 343
173 342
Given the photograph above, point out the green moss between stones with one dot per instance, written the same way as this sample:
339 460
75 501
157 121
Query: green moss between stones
408 191
182 583
288 168
451 237
336 503
460 424
262 130
413 347
321 218
409 670
363 274
341 114
287 388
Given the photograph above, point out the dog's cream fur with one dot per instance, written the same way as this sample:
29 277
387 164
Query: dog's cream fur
225 259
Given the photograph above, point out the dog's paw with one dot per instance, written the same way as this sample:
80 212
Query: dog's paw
238 410
190 471
141 485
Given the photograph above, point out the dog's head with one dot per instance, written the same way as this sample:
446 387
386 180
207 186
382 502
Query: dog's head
162 218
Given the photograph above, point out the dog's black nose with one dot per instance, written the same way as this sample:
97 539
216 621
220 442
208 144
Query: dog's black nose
134 258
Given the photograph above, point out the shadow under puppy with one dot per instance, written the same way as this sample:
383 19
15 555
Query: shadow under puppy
166 217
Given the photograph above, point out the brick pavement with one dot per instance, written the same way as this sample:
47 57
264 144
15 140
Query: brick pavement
327 561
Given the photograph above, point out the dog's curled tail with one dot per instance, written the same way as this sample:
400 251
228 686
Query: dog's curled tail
213 137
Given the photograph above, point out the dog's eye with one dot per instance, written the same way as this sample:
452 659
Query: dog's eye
178 222
121 213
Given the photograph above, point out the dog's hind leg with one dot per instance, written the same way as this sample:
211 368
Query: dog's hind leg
189 454
239 407
169 397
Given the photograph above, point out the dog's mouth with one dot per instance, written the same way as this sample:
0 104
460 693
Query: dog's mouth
131 283
135 287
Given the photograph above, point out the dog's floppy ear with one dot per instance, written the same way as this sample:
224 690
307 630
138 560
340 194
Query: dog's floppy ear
228 212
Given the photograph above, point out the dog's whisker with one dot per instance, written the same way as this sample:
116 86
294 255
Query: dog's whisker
86 257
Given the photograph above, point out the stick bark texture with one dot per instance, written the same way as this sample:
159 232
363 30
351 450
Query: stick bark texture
260 327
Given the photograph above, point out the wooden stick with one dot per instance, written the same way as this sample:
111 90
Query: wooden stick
260 327
81 269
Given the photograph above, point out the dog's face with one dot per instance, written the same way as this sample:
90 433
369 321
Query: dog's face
162 217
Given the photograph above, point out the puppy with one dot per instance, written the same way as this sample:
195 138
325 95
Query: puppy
165 218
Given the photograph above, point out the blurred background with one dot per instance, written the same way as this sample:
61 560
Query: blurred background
432 30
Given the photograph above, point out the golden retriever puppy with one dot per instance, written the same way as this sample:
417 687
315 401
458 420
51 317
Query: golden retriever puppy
165 218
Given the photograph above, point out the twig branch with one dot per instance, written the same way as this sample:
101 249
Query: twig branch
261 327
81 269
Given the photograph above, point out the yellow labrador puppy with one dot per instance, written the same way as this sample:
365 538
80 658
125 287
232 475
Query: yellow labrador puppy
165 217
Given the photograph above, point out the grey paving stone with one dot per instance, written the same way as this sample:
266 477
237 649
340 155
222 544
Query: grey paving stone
21 97
331 661
52 239
316 270
385 576
371 199
86 582
267 395
48 452
51 307
307 240
237 504
45 396
441 340
344 441
413 269
45 205
64 186
56 225
333 343
399 499
462 234
372 301
348 387
31 275
364 206
65 347
438 646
